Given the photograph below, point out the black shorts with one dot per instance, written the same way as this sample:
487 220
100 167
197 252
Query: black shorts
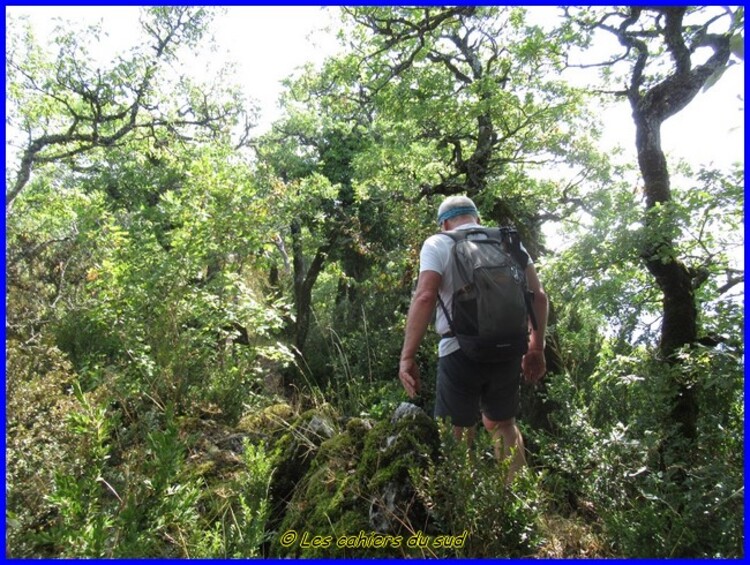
464 387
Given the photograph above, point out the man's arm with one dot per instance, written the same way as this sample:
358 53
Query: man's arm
417 321
534 364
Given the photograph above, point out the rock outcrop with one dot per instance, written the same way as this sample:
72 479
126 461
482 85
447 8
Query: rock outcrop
337 479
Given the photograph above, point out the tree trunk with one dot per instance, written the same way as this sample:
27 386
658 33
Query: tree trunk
304 281
680 313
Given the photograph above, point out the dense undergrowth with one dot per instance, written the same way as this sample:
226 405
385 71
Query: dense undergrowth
90 476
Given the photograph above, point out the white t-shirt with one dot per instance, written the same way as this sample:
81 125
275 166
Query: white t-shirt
434 256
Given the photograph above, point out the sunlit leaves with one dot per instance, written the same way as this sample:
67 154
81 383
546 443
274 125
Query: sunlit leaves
66 106
170 27
434 86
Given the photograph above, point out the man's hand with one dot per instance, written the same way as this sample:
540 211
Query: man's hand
534 365
408 373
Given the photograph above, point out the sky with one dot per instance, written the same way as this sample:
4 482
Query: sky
268 43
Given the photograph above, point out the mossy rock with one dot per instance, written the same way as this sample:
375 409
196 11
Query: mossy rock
409 440
267 424
393 446
328 500
295 450
356 478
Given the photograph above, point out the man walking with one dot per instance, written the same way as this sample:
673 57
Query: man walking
466 387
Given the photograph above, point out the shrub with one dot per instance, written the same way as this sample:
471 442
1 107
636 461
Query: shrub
466 492
237 527
40 444
616 460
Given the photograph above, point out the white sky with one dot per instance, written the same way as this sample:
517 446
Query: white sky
268 43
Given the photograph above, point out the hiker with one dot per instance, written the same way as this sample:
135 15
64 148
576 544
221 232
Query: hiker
465 386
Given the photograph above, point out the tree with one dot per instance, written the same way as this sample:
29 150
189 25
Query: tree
299 157
663 50
65 109
95 139
463 100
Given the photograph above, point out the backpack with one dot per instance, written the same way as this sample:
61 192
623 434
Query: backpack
492 304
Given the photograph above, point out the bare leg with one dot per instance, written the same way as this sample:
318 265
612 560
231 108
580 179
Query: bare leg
508 443
466 434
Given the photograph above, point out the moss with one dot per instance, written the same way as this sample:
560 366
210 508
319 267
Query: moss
358 428
269 423
328 501
204 469
295 450
348 444
392 449
348 476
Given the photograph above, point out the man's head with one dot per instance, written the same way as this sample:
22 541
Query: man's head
457 210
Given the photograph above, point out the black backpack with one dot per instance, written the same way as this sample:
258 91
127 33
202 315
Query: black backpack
492 304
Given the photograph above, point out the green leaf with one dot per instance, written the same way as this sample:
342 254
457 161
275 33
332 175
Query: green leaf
737 45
